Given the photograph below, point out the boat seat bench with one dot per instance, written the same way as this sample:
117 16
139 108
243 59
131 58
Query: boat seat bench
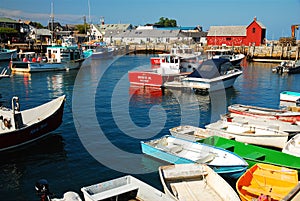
227 146
255 155
115 191
258 191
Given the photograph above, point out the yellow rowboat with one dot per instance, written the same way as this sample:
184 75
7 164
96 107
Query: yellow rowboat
266 182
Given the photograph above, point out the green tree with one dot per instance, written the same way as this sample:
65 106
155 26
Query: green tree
166 22
7 30
82 28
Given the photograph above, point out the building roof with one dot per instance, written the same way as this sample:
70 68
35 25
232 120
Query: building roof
227 31
43 32
114 26
146 33
7 20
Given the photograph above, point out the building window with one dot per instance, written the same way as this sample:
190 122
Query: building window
253 30
228 39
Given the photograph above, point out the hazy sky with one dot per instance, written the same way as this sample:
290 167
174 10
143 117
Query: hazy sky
276 15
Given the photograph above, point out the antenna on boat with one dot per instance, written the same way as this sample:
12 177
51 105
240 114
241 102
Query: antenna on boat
52 20
89 7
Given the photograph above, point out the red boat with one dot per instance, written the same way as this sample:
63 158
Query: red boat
280 114
175 64
155 60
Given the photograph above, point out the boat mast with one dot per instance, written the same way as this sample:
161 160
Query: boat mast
52 21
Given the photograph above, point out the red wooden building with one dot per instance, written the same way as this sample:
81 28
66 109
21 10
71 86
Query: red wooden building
253 34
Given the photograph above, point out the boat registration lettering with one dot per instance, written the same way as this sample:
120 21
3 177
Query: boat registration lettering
144 78
33 131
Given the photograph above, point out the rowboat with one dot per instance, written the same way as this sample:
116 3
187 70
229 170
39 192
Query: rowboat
18 127
255 154
293 146
195 182
269 113
180 151
257 121
266 182
252 134
189 132
289 96
123 188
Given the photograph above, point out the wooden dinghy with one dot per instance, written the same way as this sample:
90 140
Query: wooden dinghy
264 181
180 151
264 122
252 134
189 132
124 188
195 182
293 146
255 154
280 114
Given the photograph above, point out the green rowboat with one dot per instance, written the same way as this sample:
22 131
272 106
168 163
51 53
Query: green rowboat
254 154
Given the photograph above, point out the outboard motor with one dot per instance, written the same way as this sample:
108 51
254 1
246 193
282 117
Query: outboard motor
42 189
298 102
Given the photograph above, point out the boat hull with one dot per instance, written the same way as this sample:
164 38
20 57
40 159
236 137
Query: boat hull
289 96
30 133
282 115
149 78
7 54
228 170
266 180
19 66
254 154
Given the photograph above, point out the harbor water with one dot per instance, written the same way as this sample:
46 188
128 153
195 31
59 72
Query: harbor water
105 119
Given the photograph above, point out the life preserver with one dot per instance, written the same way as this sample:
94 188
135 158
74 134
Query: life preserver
53 56
6 123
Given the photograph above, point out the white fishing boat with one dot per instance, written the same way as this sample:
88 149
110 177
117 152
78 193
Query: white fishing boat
224 52
56 58
195 182
292 146
123 188
180 151
252 134
211 75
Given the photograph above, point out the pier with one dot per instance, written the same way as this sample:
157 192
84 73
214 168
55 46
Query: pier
276 53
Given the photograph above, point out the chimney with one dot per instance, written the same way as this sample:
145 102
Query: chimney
102 20
255 18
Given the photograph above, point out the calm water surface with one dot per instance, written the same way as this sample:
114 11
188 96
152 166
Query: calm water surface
111 119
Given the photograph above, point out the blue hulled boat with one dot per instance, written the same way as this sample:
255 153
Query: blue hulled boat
180 151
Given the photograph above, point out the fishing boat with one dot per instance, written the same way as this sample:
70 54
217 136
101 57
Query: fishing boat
211 75
179 62
254 154
56 58
266 182
180 151
223 52
7 54
195 182
268 123
123 188
289 96
269 113
293 146
252 134
18 127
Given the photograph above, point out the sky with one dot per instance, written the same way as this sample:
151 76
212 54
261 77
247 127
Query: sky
276 15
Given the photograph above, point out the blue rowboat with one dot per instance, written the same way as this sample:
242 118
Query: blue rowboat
179 151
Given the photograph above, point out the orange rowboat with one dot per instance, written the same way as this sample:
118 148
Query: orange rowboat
266 182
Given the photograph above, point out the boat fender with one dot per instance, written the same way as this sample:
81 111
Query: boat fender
7 123
53 56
